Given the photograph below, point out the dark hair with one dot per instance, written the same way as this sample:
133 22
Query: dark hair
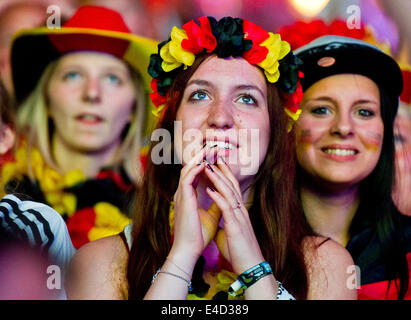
6 112
377 210
277 221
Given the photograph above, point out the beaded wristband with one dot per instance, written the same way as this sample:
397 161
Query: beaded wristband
174 275
249 277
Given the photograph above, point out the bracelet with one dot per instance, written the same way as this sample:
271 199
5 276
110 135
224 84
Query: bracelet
174 275
249 277
168 259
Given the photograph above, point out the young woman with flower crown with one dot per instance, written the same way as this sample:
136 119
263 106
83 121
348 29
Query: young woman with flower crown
82 94
210 227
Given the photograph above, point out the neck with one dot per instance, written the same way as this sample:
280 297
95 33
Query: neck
90 163
330 211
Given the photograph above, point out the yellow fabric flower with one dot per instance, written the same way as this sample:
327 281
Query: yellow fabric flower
109 221
173 54
157 111
51 182
225 278
277 49
292 115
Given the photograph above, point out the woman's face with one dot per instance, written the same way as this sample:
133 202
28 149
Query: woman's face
340 132
225 104
91 98
402 131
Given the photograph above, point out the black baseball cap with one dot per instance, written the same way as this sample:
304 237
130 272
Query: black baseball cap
330 55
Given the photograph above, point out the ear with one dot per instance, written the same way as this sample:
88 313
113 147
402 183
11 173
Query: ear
7 138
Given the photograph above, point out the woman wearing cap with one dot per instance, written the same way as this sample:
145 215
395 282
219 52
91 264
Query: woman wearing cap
345 153
218 224
402 136
82 109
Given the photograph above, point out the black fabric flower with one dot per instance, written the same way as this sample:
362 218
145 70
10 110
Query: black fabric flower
230 37
289 67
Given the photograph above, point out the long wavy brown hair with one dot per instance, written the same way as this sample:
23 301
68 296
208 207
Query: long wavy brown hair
276 218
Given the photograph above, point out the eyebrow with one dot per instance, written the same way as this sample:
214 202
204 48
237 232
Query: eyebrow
239 87
328 99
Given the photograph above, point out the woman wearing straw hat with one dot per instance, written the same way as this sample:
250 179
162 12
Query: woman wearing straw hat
345 152
82 111
220 226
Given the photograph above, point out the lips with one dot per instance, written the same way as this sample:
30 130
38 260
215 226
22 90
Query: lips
89 118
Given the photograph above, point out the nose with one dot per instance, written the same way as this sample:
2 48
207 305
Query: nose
220 116
92 90
342 126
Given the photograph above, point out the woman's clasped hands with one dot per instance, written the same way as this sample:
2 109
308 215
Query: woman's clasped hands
195 228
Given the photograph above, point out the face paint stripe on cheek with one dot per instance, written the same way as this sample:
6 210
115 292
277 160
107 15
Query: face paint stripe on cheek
372 141
305 137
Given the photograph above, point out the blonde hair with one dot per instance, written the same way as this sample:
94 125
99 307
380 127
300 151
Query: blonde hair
33 119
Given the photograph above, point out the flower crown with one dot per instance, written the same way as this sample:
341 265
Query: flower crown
227 37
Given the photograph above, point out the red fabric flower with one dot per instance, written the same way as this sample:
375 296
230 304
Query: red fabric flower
406 92
79 225
257 34
199 37
339 28
156 98
292 101
300 33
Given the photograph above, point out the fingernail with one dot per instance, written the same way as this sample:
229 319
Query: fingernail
209 167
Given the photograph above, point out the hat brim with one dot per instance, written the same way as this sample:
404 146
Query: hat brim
33 49
349 57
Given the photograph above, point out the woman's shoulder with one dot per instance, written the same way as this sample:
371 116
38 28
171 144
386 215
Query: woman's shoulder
99 270
330 269
315 245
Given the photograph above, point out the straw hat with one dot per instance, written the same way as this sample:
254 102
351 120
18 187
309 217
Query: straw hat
91 28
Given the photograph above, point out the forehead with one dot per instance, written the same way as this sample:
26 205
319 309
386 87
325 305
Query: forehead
344 86
91 58
229 71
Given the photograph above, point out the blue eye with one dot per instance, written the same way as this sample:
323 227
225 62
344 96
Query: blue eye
72 75
321 110
111 78
366 113
199 95
247 99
